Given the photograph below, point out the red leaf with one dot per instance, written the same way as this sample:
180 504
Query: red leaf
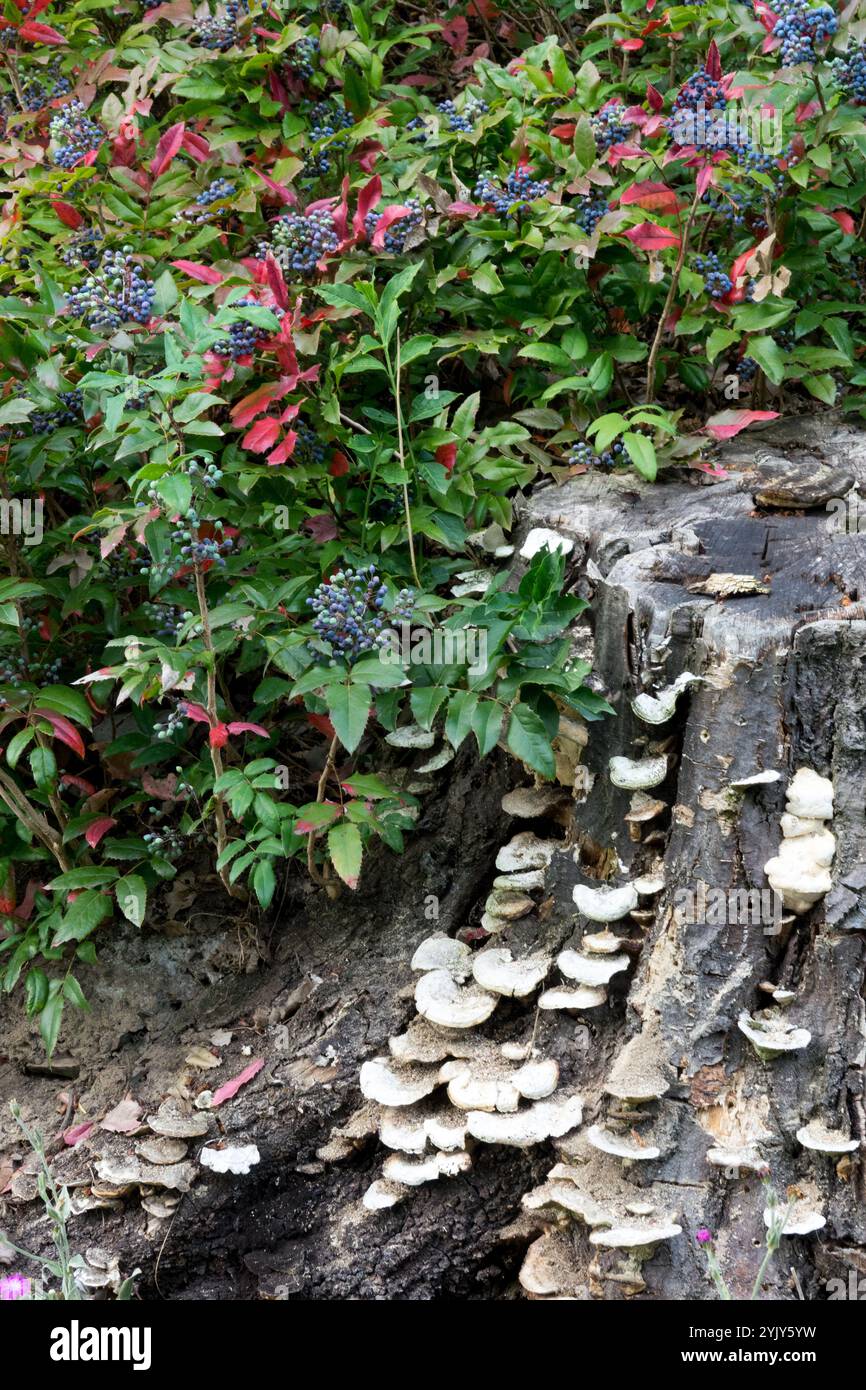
649 236
656 197
629 45
565 131
239 726
389 216
196 712
654 97
261 435
63 730
713 65
76 1133
196 146
446 454
252 405
455 32
339 465
218 736
231 1088
123 1118
69 216
367 200
205 273
70 780
285 195
284 450
323 724
40 33
460 209
97 829
706 176
169 144
276 282
729 422
321 527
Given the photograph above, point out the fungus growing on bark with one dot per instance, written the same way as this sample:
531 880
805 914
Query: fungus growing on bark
605 904
801 1219
800 872
810 795
590 970
639 1235
231 1160
442 1001
771 1035
502 907
411 736
383 1081
643 808
545 1119
623 1146
382 1194
176 1120
540 538
743 1156
601 943
525 851
818 1137
658 709
162 1150
758 779
572 1000
440 952
638 1075
497 970
637 774
532 803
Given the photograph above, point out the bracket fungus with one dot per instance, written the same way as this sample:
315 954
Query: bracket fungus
441 952
230 1160
525 851
737 1157
442 1001
602 943
771 1035
822 1140
497 970
800 872
605 904
658 709
534 803
573 999
802 1217
590 970
383 1081
545 1119
638 774
625 1146
641 1235
638 1074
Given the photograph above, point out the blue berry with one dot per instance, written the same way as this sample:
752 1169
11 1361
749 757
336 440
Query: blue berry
348 611
464 120
117 292
717 282
519 190
849 73
397 233
74 134
244 337
300 240
800 28
609 127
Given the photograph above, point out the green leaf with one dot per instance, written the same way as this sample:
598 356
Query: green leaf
487 725
50 1020
348 708
264 882
345 850
43 766
719 339
71 703
528 741
82 916
642 453
425 702
769 357
458 724
131 894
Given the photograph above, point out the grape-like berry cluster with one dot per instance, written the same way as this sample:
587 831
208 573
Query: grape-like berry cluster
518 191
589 210
800 27
221 33
330 122
117 293
349 611
83 248
74 134
309 448
609 127
464 120
300 240
68 412
167 618
395 236
244 337
583 454
849 73
303 57
717 282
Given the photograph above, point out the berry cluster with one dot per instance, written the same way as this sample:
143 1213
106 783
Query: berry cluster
800 28
301 240
717 282
583 454
67 413
244 337
167 618
464 120
221 34
35 95
589 210
117 293
849 73
83 248
348 611
395 237
519 190
74 134
330 122
217 191
701 93
310 450
303 57
197 549
609 127
167 843
746 368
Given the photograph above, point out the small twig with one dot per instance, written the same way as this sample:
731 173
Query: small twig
675 279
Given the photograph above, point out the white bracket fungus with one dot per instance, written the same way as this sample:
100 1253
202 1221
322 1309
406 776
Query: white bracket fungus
800 872
507 906
601 943
801 1219
745 1157
658 709
532 803
546 1119
590 970
232 1160
621 1145
637 1075
381 1194
525 851
411 736
758 779
392 1085
440 952
771 1035
414 1172
638 1236
822 1140
540 538
442 1001
605 904
638 774
497 970
573 1000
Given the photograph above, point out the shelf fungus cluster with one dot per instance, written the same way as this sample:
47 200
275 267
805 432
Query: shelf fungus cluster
444 1088
522 865
800 872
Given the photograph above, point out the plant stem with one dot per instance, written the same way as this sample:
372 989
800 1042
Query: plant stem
233 889
401 455
675 279
320 796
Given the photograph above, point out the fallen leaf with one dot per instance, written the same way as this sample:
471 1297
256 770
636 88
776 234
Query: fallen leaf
231 1088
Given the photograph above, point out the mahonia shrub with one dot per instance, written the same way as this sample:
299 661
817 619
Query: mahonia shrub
296 299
